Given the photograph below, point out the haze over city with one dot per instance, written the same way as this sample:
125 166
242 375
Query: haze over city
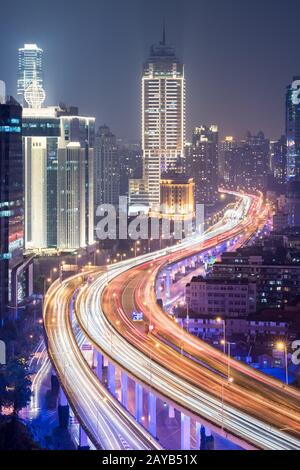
231 50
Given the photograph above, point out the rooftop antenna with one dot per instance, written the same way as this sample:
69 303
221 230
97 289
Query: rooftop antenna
163 42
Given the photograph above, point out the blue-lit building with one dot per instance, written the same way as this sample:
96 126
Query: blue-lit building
293 129
58 148
11 198
40 143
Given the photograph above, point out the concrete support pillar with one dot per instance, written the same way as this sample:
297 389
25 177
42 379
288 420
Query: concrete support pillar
111 373
105 361
63 401
171 411
185 432
83 439
63 410
99 368
152 414
168 282
124 389
159 284
198 435
138 402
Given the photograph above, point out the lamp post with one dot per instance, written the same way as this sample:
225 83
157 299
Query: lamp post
222 321
47 280
52 271
187 316
78 256
229 378
96 252
281 346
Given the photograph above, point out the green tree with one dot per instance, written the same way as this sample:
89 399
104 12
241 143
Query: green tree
15 391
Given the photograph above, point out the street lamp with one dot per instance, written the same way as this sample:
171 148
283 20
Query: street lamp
187 316
96 252
222 321
230 379
281 346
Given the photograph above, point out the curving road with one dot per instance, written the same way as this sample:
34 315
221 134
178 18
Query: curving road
107 423
254 407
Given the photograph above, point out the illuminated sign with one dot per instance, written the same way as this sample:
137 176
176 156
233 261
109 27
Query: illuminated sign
296 92
137 316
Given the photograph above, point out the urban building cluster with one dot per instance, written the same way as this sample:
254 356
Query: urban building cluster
58 166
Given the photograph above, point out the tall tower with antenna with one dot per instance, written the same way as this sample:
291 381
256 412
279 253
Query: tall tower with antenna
163 119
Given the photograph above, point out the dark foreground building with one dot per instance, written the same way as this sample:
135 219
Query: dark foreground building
11 197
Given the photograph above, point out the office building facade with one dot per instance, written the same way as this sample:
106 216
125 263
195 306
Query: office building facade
293 128
177 196
214 297
278 160
11 197
163 120
30 68
75 207
58 155
107 167
202 164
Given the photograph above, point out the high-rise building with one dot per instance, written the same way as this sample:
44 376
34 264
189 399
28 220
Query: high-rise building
41 131
293 202
257 165
131 164
106 168
293 128
29 69
58 154
75 192
163 120
228 161
202 164
278 161
247 164
11 196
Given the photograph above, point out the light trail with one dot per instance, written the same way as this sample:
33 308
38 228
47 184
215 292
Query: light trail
107 423
105 317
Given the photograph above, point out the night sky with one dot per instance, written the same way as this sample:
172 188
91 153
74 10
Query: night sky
239 56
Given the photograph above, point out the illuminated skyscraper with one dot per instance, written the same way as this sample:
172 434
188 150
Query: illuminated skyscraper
107 168
41 132
293 129
11 196
58 154
278 162
163 120
29 69
257 163
202 164
75 194
227 166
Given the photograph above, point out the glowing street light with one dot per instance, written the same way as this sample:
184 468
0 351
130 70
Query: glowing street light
281 346
221 320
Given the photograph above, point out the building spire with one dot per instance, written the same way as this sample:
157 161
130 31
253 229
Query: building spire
164 34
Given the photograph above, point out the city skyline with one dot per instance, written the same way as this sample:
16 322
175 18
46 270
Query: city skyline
149 228
221 92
